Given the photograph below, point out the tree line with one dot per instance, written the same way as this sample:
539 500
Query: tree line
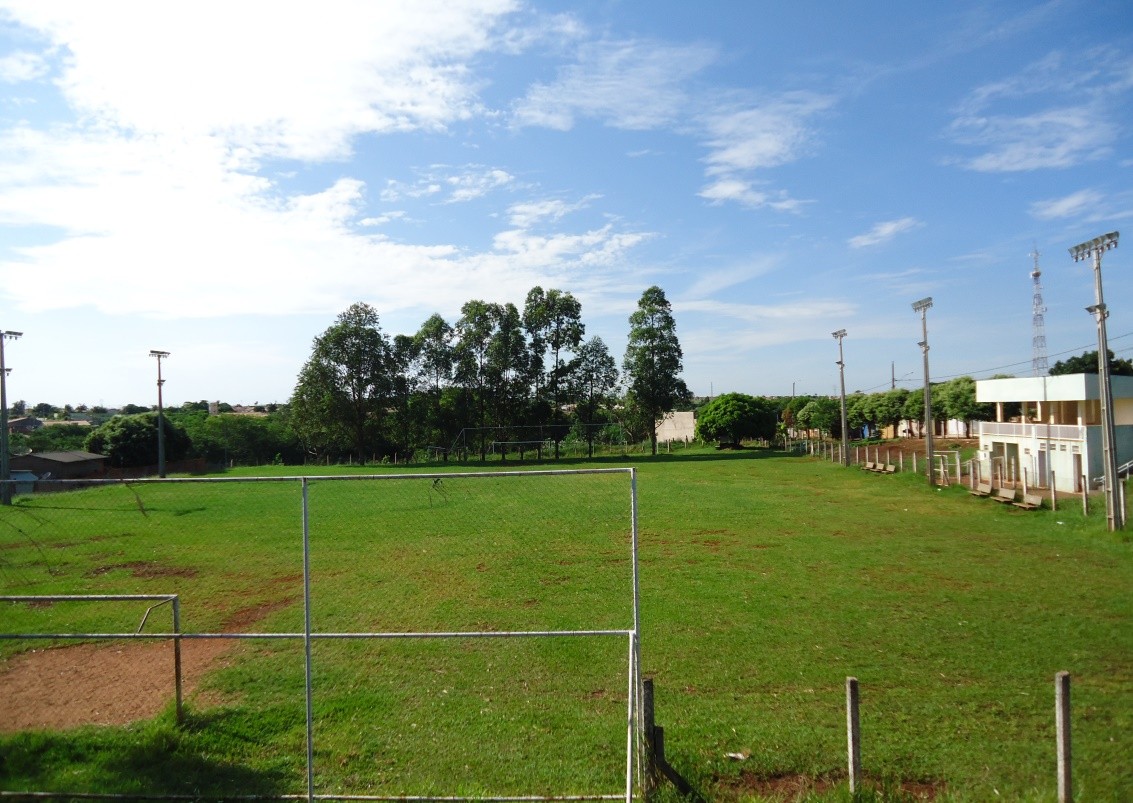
499 376
497 379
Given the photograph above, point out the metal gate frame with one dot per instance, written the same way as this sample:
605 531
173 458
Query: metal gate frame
634 725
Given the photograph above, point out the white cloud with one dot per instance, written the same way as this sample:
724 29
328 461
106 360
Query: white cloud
525 215
22 66
275 81
474 184
884 232
632 84
742 192
762 136
714 281
1054 138
1051 114
1072 205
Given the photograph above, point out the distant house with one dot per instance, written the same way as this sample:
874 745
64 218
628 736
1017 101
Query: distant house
677 427
62 465
24 425
1058 424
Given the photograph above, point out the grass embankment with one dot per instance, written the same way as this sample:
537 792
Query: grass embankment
765 581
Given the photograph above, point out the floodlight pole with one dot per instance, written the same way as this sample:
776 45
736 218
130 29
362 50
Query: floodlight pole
841 333
5 467
1114 511
922 307
159 356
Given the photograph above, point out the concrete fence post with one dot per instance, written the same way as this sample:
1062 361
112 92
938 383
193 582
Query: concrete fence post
853 733
1053 495
1085 497
1062 726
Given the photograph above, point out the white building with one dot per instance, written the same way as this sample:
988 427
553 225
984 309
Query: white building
1052 421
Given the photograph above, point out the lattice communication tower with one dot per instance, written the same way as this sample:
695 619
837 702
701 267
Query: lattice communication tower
1038 326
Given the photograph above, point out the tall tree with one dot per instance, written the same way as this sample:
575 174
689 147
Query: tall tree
553 320
346 386
653 360
435 362
1087 363
593 379
474 332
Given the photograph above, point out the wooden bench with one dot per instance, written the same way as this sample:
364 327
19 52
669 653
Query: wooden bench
1004 495
869 466
983 489
1030 502
889 468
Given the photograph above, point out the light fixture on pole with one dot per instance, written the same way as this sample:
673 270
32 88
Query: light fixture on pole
1114 510
5 468
841 333
922 307
159 356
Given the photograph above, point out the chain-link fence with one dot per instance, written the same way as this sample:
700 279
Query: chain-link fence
381 637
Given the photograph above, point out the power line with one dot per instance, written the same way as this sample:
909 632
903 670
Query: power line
1076 350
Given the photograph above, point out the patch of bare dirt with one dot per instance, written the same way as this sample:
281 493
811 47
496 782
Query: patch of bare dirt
794 787
146 570
110 684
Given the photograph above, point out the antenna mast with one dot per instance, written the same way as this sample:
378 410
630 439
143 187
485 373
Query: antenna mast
1038 326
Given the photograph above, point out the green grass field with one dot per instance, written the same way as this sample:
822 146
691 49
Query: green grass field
765 581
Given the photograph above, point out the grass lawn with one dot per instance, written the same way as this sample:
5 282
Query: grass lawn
765 581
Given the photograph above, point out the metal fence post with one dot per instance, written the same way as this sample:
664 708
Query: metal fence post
177 657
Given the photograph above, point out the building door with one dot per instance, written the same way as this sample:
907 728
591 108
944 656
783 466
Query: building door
1078 472
1041 479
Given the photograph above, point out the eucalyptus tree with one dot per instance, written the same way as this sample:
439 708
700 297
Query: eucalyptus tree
474 332
593 380
435 361
346 387
654 360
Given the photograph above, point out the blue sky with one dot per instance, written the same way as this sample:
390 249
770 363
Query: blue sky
220 180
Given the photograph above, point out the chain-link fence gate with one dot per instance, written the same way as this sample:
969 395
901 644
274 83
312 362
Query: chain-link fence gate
402 636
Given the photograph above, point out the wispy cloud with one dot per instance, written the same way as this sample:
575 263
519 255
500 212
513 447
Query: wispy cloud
1051 114
448 184
884 232
762 135
1072 205
757 137
634 84
22 66
526 214
744 192
474 184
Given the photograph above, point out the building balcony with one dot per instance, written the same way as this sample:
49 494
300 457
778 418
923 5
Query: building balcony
1061 432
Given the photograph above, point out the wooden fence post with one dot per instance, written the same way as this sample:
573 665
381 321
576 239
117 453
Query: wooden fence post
1062 724
853 733
1053 495
647 717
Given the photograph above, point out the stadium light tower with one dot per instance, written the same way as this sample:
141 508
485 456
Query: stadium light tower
5 468
159 356
1114 510
841 333
922 307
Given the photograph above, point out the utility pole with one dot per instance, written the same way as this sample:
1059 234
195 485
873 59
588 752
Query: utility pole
841 333
159 356
1114 511
5 467
922 307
